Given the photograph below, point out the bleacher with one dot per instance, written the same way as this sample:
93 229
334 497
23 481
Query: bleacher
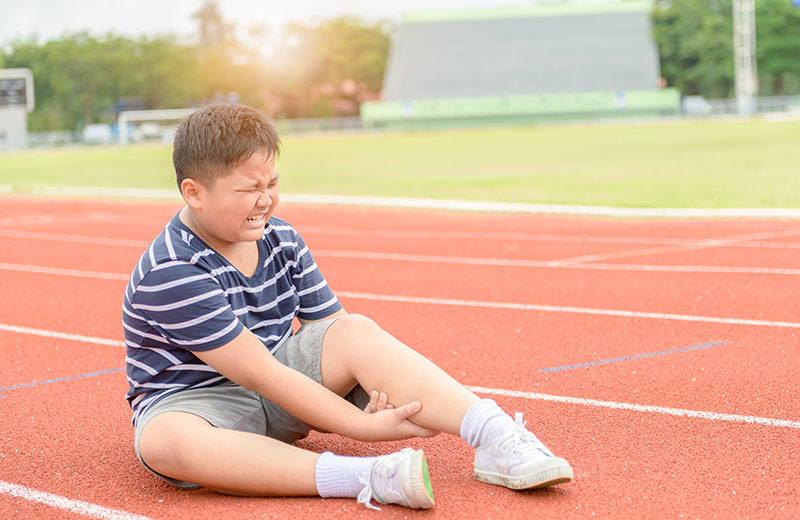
542 61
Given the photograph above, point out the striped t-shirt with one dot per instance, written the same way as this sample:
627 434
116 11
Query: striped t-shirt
183 296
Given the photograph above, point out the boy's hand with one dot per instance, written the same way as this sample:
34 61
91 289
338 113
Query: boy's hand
378 401
394 424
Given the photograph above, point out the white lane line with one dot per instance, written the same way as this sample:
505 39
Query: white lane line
40 269
74 239
493 236
27 220
547 264
399 257
75 506
684 268
679 412
557 209
497 391
61 335
574 310
500 236
447 204
93 217
456 302
410 234
701 244
96 191
574 263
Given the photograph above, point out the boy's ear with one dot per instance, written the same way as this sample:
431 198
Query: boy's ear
191 191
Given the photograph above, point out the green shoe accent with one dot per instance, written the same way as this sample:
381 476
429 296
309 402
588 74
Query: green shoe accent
427 478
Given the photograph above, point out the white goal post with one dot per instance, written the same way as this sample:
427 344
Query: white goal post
128 116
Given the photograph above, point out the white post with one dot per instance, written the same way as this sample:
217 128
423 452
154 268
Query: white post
744 55
16 102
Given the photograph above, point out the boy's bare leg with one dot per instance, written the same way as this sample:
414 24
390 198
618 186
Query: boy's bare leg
356 350
186 447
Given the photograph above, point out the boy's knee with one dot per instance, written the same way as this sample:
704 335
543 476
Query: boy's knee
357 323
161 441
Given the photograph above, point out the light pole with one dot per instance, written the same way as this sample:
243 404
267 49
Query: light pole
744 55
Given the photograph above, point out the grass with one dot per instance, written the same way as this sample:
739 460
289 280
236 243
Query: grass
679 164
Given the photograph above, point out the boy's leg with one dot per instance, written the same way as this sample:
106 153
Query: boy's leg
186 447
356 350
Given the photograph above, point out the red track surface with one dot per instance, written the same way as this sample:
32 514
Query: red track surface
63 266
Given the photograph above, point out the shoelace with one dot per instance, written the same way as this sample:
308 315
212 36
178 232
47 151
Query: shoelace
521 441
382 471
365 495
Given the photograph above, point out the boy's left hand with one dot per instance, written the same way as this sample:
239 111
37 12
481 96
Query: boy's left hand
378 401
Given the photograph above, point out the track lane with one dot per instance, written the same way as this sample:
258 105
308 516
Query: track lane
627 463
717 380
731 295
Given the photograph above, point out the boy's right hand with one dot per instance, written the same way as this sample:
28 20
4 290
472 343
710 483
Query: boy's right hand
392 424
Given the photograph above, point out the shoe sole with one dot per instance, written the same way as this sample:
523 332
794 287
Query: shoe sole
422 495
555 471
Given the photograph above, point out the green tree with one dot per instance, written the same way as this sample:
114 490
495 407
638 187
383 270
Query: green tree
695 45
163 74
778 47
330 67
320 69
62 69
80 79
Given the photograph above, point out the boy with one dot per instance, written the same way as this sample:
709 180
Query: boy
221 389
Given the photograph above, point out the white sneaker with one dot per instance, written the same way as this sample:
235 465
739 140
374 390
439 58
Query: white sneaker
516 459
399 478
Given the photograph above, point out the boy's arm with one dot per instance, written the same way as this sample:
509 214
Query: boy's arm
248 363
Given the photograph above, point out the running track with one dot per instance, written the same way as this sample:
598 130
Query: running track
659 356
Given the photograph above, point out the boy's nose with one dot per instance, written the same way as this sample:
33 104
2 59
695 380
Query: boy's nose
264 200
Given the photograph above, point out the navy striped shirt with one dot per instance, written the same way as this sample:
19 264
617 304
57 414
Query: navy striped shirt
183 296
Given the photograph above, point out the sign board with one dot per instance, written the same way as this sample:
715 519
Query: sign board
12 93
16 101
16 89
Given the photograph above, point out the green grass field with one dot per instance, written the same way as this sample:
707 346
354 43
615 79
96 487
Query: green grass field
677 164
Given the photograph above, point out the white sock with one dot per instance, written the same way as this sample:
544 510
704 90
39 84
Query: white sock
483 421
337 475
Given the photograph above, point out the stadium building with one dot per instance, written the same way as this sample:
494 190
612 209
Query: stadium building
543 62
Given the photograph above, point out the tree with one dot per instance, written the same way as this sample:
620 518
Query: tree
695 44
214 31
330 67
317 70
778 47
80 79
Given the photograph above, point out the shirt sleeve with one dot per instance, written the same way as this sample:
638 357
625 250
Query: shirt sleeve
186 306
317 300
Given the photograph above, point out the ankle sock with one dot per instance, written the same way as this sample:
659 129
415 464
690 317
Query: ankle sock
483 421
338 476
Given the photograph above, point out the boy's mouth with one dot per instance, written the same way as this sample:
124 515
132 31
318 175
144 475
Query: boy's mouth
255 219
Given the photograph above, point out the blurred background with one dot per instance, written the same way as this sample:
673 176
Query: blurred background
633 103
317 65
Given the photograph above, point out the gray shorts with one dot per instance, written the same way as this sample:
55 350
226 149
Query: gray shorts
234 407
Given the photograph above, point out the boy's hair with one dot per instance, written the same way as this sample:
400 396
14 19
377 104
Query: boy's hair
216 138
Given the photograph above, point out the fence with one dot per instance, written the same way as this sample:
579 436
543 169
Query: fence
784 106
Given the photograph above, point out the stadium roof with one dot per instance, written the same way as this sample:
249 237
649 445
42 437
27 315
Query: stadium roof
537 49
534 10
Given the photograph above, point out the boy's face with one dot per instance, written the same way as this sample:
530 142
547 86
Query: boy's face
236 207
